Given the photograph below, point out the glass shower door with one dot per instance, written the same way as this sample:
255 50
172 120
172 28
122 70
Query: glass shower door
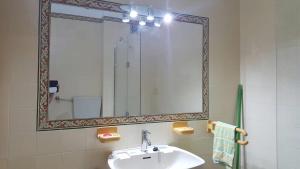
127 76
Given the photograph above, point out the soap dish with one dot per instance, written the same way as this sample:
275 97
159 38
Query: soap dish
182 128
108 134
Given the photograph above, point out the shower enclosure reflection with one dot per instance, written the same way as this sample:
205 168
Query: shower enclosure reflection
127 74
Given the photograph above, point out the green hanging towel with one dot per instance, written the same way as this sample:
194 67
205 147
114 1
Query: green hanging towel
238 116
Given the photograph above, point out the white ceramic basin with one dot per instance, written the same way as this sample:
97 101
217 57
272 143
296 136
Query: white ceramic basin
167 157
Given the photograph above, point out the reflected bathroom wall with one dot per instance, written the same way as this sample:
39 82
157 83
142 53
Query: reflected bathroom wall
171 69
82 60
76 65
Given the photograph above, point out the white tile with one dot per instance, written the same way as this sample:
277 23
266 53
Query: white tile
288 93
287 139
288 89
288 157
288 116
261 94
259 113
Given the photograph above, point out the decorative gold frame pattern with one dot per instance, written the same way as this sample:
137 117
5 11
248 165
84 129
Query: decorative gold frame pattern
44 32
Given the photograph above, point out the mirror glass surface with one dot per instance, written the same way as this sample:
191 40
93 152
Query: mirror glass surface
100 66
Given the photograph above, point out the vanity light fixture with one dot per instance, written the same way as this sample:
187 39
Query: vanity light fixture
168 18
133 13
125 19
150 16
157 23
142 22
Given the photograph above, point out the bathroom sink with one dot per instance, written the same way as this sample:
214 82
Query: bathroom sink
156 157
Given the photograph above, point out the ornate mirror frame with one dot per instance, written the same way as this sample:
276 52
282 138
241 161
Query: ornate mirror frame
43 73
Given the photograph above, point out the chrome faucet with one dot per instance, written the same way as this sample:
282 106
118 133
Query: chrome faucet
145 140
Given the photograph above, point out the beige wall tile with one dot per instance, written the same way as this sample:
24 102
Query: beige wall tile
4 99
219 93
74 160
96 159
158 136
23 120
49 142
3 164
4 131
131 135
204 145
24 68
73 140
22 145
200 128
53 161
23 95
22 163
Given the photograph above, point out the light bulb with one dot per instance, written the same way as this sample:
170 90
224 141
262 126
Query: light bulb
150 17
133 14
157 24
168 18
125 19
142 23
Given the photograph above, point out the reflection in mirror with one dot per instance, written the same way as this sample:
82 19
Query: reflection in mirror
171 69
76 66
109 64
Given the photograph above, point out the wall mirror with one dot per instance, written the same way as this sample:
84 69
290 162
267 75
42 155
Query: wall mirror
103 63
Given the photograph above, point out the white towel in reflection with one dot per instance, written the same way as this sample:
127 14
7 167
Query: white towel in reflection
86 107
52 90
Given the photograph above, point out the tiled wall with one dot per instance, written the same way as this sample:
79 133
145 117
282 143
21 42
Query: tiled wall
258 75
270 61
21 147
288 83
